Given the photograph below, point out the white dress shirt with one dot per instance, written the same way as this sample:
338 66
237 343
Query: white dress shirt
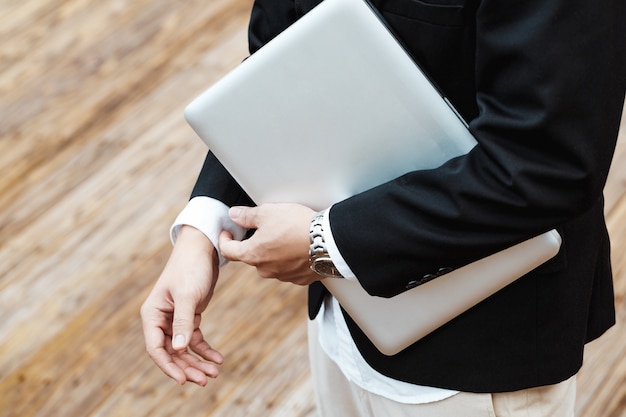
211 217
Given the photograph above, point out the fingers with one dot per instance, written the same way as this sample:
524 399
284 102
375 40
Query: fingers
194 369
248 251
154 322
199 346
234 250
155 346
279 247
168 365
183 366
179 364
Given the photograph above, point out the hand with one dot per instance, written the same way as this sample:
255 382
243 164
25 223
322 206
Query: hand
171 314
279 247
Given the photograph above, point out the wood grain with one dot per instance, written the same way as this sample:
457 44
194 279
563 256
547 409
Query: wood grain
96 161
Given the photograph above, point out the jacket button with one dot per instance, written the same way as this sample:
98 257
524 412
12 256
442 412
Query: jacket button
443 271
427 278
415 282
412 284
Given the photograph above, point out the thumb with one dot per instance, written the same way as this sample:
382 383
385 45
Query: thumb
230 249
183 325
245 217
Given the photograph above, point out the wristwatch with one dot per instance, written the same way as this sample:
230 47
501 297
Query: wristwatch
319 260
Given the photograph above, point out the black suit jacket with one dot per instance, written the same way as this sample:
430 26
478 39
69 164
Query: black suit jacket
542 87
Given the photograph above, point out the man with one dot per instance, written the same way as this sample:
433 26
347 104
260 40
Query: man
541 85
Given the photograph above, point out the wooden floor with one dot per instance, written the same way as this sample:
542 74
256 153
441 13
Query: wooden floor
95 163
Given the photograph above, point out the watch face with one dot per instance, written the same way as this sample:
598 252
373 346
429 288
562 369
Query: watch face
326 268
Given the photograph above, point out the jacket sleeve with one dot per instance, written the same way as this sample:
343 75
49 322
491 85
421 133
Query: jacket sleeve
550 79
268 19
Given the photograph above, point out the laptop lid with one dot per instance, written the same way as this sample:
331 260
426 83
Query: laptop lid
393 324
329 108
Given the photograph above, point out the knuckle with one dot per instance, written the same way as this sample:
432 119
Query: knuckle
252 258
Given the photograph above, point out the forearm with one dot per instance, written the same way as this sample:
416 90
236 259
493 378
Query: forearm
550 103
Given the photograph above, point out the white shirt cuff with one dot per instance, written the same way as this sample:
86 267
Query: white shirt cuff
210 216
332 249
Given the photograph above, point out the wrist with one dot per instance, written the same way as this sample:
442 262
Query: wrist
210 217
191 238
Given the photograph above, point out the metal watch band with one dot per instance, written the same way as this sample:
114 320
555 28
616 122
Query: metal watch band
319 260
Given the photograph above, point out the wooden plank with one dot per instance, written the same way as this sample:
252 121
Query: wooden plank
96 161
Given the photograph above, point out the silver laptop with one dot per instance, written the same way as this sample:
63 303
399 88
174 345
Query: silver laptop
329 108
332 107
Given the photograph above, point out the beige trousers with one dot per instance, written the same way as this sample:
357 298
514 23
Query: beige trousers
338 397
